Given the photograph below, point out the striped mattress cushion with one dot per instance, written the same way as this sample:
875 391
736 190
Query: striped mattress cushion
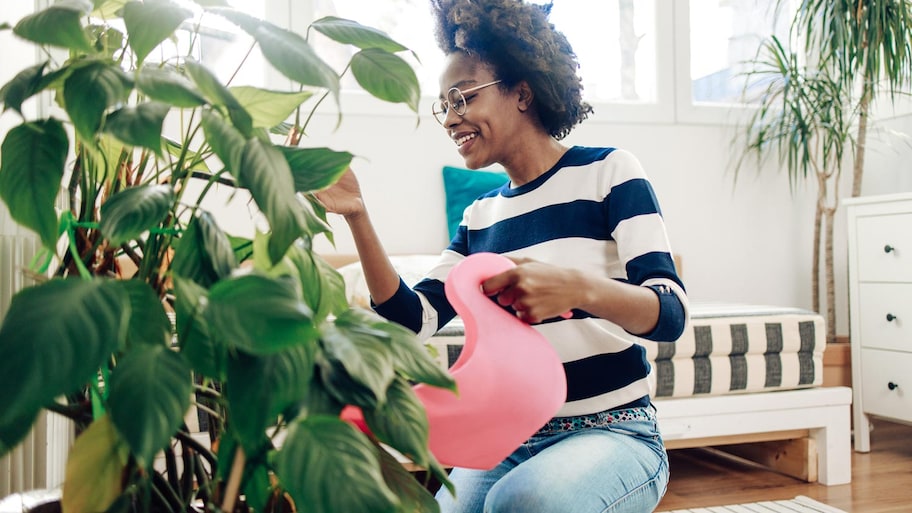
726 349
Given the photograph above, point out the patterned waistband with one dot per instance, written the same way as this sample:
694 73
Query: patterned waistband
600 419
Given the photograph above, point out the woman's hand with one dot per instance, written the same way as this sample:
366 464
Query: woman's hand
537 291
343 197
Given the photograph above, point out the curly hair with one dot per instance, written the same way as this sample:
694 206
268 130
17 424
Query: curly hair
519 42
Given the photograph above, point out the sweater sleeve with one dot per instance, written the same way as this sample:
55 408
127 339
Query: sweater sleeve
638 227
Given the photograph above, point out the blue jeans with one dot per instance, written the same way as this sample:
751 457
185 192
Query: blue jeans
619 467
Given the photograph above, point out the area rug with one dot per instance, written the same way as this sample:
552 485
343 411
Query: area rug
800 504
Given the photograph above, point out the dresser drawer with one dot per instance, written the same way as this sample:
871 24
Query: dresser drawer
885 315
881 369
885 248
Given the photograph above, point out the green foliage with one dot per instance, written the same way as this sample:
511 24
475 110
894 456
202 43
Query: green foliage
805 116
152 308
841 57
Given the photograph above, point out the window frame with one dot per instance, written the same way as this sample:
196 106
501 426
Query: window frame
673 105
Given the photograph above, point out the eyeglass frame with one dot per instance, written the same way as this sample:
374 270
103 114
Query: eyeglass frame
441 107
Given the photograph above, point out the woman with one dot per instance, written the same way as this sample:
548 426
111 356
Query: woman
588 237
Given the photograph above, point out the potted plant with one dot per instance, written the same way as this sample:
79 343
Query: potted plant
814 110
149 307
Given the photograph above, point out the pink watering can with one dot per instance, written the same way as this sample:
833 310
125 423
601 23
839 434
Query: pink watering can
510 381
509 378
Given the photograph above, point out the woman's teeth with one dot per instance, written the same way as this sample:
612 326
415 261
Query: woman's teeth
462 140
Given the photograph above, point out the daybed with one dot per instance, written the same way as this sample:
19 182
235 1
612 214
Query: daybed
744 377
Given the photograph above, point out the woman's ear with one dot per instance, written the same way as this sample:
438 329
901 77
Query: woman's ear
525 96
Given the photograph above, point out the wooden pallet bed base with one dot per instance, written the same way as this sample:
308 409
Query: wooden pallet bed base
819 416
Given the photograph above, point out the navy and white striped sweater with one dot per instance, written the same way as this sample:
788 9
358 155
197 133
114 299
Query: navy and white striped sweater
596 211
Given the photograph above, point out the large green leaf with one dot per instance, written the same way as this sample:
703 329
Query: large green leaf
258 314
139 125
207 355
353 33
287 52
414 497
322 287
176 149
149 394
90 90
132 211
149 325
217 94
226 141
14 431
212 3
401 422
411 359
410 356
22 87
94 469
386 76
204 253
150 23
268 108
315 168
108 8
364 355
321 453
32 160
80 323
168 86
58 25
261 387
108 41
265 173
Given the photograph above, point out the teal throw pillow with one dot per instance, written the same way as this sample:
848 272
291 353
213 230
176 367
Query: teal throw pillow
463 186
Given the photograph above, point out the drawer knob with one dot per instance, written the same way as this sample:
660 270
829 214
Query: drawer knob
888 248
891 317
892 386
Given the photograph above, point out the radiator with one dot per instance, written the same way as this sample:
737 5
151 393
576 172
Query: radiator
40 460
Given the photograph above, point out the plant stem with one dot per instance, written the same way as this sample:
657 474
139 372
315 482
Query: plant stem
234 481
171 467
188 440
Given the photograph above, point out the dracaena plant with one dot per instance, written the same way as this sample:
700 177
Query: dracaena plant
146 308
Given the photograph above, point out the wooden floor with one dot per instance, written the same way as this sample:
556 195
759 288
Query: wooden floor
881 479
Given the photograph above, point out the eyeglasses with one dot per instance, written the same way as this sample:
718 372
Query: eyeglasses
455 99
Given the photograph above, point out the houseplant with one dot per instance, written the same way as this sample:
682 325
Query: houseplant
262 339
814 111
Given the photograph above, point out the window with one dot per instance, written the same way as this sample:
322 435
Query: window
722 36
615 41
641 60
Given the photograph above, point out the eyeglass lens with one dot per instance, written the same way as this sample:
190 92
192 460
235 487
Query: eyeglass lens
454 100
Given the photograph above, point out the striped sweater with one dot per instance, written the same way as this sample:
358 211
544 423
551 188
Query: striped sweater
596 211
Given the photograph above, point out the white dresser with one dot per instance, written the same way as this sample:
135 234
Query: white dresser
880 309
